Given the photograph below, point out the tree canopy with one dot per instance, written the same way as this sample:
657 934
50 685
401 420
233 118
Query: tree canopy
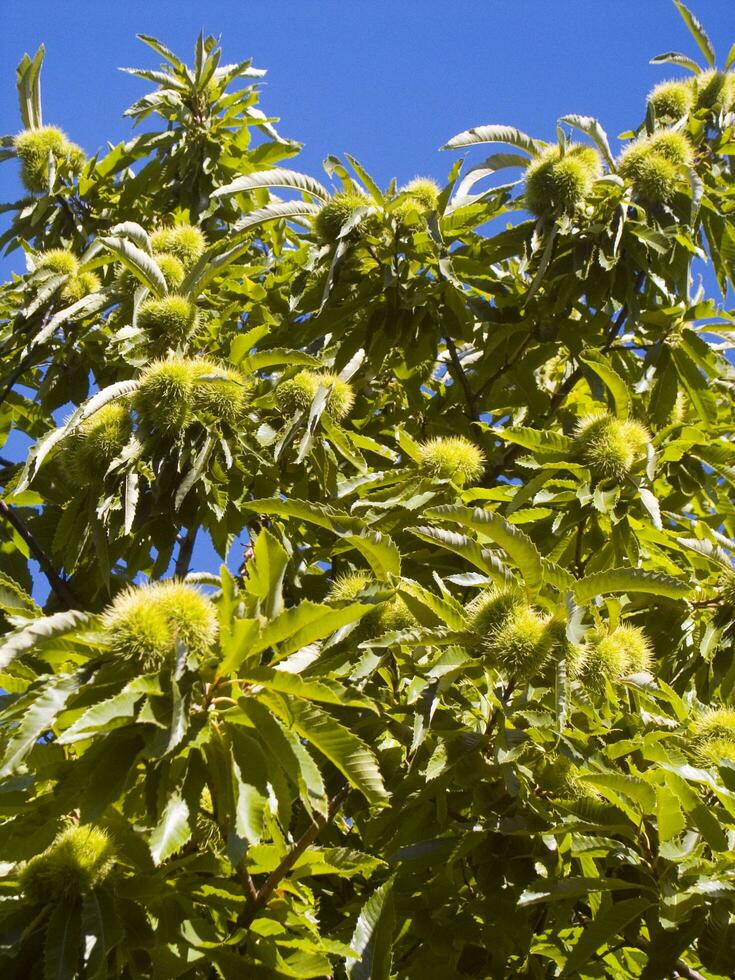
465 705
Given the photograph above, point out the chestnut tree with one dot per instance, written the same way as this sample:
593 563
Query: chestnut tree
463 705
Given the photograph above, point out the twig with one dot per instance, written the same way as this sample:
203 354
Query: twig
262 896
579 546
186 547
682 970
58 585
461 377
507 363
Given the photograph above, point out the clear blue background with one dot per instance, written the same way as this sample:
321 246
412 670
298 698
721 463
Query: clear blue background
386 80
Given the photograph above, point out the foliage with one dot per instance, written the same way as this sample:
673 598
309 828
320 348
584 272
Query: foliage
466 708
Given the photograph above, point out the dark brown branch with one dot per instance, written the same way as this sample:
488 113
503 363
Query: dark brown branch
186 547
60 587
682 970
506 365
461 377
264 894
579 547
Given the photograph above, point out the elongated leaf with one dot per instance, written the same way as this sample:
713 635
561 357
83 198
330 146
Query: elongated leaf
617 580
372 938
561 890
83 307
445 608
342 747
292 755
279 177
592 128
173 830
494 134
294 628
320 514
697 31
265 572
379 550
197 470
323 691
119 707
610 377
37 632
211 264
139 262
609 922
98 929
44 446
62 944
674 58
460 544
135 232
537 439
28 81
251 786
276 212
513 541
491 165
38 719
276 356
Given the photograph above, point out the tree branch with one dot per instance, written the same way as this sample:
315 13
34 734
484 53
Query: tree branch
264 894
58 585
461 377
186 547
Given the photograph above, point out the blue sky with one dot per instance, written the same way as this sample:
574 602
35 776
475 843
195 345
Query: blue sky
386 80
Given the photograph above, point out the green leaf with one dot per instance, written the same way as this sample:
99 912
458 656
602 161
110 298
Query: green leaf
37 632
561 890
266 569
323 515
251 786
607 924
592 128
674 58
293 629
291 754
173 830
61 947
274 178
38 719
379 550
140 263
44 446
28 80
211 264
324 691
99 930
15 600
517 545
447 609
537 439
273 357
610 377
494 134
342 747
119 708
460 544
616 580
373 937
697 31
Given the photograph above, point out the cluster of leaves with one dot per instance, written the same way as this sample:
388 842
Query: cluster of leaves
466 708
